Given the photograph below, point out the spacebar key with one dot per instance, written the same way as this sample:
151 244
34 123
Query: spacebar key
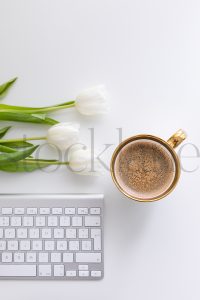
17 270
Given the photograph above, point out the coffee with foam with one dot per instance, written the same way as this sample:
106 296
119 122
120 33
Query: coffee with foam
144 169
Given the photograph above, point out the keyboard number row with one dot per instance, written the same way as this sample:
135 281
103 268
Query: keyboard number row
51 221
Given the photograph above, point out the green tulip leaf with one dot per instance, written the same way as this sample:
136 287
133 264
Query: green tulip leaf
16 156
3 131
7 149
22 117
5 87
20 144
26 165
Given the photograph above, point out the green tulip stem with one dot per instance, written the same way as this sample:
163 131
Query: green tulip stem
45 163
53 108
36 110
35 138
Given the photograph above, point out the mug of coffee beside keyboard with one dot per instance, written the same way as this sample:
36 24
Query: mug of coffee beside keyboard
145 167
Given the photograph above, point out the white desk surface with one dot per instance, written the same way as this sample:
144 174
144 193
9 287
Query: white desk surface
148 55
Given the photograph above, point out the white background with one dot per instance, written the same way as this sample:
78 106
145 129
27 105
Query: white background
148 55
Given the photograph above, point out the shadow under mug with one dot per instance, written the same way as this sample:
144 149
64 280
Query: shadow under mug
168 145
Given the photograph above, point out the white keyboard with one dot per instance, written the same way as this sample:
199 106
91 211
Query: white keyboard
51 236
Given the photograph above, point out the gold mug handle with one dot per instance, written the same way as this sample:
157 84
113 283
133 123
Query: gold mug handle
177 138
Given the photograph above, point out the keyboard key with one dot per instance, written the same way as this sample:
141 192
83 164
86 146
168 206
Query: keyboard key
58 233
46 233
95 232
83 273
19 257
82 211
31 257
83 267
71 233
9 233
37 245
34 233
44 210
1 233
71 273
74 245
95 210
83 233
25 245
88 257
6 257
96 273
64 221
40 221
2 245
86 245
55 257
4 221
31 211
43 257
77 221
16 221
6 210
13 245
49 245
96 235
53 221
70 211
68 257
57 211
92 221
59 270
18 270
22 233
61 245
44 270
19 211
27 221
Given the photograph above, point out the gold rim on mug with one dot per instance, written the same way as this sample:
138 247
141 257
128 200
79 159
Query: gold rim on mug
175 140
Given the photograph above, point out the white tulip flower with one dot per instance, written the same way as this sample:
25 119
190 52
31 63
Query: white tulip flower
83 162
92 101
63 135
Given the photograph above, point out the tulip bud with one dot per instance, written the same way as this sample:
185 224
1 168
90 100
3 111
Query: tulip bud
63 135
92 101
83 162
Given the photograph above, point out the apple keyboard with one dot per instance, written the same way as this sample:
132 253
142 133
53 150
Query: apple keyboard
51 236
